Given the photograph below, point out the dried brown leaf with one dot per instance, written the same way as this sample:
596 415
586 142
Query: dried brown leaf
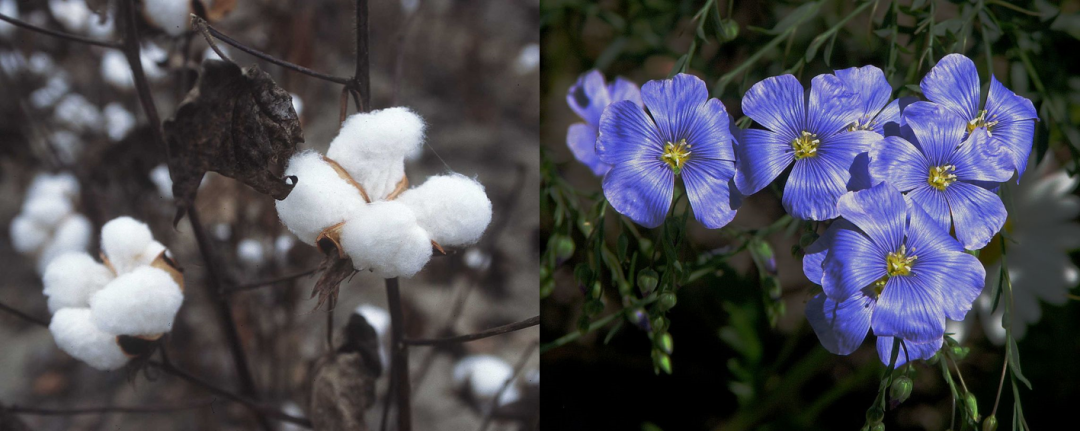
342 389
236 122
335 269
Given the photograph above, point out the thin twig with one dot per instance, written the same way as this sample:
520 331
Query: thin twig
361 76
60 34
39 411
272 281
126 11
293 67
24 316
517 371
400 355
200 25
1001 384
516 326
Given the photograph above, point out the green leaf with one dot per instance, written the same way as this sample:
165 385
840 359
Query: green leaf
621 246
680 66
802 12
1014 362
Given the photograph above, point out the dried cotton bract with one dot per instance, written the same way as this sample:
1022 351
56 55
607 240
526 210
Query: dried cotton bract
136 292
356 197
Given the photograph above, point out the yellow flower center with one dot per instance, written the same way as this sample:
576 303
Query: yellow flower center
676 154
941 176
805 145
898 262
865 124
980 121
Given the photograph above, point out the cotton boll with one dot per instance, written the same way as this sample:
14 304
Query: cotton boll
47 210
75 333
11 9
151 57
72 14
528 59
63 184
453 209
250 252
221 231
371 147
100 27
27 235
477 259
77 113
386 240
72 235
410 6
482 376
320 198
118 122
68 146
12 62
172 16
376 316
161 178
142 302
116 71
72 278
47 96
123 240
41 64
283 244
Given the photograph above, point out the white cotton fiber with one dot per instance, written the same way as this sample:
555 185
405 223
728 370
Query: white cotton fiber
115 70
250 252
100 27
77 113
72 278
47 209
386 240
123 240
477 259
297 104
118 121
142 302
482 376
72 14
68 146
71 235
320 198
372 147
62 184
76 334
283 244
8 8
12 62
151 56
453 209
162 180
173 16
28 235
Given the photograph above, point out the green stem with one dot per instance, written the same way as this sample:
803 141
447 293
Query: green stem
595 325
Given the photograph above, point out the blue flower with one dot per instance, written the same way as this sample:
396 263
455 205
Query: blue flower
1009 118
888 266
683 133
873 95
811 133
949 176
588 98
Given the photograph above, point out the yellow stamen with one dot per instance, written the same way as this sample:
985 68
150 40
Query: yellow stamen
805 145
980 121
865 124
898 262
676 155
941 176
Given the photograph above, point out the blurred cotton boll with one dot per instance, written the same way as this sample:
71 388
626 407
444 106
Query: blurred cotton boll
12 62
41 64
48 226
72 14
72 235
100 26
68 146
528 59
171 16
118 122
115 70
379 319
372 147
161 179
283 244
250 252
78 114
210 54
480 377
55 88
477 259
11 9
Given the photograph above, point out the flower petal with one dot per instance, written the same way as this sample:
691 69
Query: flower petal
763 155
908 350
853 262
977 214
674 104
623 89
954 83
890 119
879 211
938 131
981 158
871 87
708 184
814 256
899 162
1016 118
581 138
628 135
909 308
709 132
832 107
640 190
588 97
934 202
841 327
816 182
779 104
941 261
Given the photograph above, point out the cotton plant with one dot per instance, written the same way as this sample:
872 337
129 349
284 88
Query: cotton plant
480 377
103 312
78 114
357 198
48 224
171 16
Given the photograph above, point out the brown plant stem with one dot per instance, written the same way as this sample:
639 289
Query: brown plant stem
131 50
361 76
516 326
272 281
399 360
39 411
267 57
59 34
24 316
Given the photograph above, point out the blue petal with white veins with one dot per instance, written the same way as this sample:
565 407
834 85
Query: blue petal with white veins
909 308
763 155
977 214
954 83
908 350
879 211
779 104
622 89
981 158
641 190
938 132
832 107
872 89
853 262
841 327
627 135
897 161
942 262
1016 118
707 186
588 97
581 139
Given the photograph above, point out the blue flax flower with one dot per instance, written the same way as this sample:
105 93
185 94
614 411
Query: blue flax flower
811 133
1009 118
887 266
876 113
949 176
683 133
588 98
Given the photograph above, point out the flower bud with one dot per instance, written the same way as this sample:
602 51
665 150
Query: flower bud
594 307
640 319
878 427
661 362
901 389
729 30
874 415
972 406
563 247
666 302
666 343
597 291
647 280
960 352
989 424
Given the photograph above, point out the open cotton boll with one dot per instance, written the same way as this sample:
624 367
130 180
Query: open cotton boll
72 278
124 239
172 16
77 113
142 302
72 14
11 9
151 57
72 235
118 121
376 316
386 240
453 209
372 147
76 334
28 235
320 198
482 376
47 209
115 70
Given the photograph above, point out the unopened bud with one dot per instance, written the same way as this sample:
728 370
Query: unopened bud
647 280
661 361
666 343
564 248
972 406
874 415
989 424
729 29
901 389
666 302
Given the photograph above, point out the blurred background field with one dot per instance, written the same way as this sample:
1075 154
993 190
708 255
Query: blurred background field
469 68
731 369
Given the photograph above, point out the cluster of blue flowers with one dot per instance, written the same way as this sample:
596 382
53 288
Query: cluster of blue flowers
910 185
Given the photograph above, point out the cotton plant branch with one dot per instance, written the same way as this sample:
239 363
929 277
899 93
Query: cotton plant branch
41 411
17 313
270 282
516 326
399 356
60 34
